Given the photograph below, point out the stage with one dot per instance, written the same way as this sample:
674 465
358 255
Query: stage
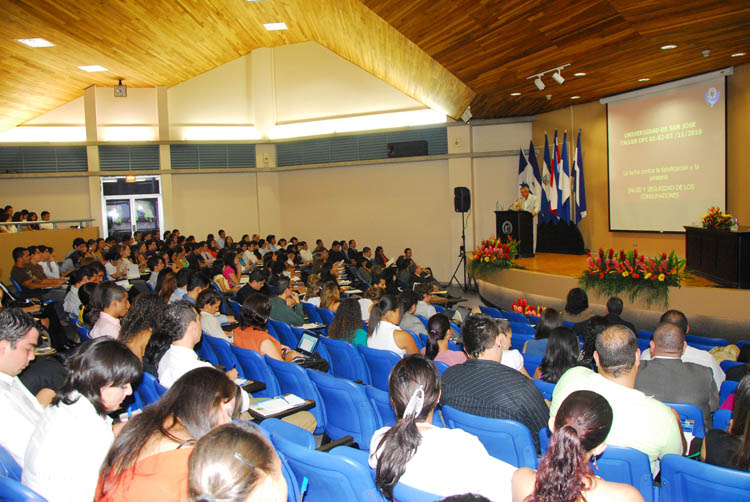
546 279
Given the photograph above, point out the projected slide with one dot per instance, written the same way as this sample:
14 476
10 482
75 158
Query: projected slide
667 158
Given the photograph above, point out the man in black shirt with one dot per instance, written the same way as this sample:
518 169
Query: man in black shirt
335 254
482 386
255 284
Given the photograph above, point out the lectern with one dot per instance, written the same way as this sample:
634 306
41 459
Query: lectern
520 226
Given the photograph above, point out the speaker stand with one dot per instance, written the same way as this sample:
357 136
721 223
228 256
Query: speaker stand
466 285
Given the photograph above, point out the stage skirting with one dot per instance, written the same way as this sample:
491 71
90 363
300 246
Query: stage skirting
713 312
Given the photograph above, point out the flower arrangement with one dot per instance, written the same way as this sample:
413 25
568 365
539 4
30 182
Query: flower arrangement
492 255
716 218
636 275
523 307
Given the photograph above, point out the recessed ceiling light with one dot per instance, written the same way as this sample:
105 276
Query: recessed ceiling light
275 26
92 68
515 93
580 74
36 42
668 46
738 54
644 79
575 97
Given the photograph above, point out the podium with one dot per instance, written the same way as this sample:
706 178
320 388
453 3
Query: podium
720 255
520 226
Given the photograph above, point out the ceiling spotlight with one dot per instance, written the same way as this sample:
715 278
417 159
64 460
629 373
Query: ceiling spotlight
579 74
668 47
644 79
738 54
538 83
515 93
557 77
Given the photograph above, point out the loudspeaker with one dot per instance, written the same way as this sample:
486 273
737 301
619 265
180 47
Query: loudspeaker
461 199
407 149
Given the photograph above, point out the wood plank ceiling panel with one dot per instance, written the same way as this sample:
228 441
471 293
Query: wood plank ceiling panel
160 42
492 46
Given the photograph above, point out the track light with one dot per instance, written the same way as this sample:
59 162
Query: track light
557 77
538 83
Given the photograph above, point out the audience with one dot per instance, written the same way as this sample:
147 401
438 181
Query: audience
731 448
415 452
562 354
79 277
329 296
640 421
409 321
578 434
253 331
255 284
614 311
209 303
235 463
549 320
149 458
347 323
512 358
383 332
372 296
669 379
285 306
482 386
140 322
576 306
438 342
66 450
109 303
424 308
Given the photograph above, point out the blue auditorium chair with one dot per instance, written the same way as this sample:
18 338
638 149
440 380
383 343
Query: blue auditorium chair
206 352
727 387
515 317
492 312
380 363
690 412
13 491
686 479
150 390
545 388
236 308
531 363
255 368
285 334
223 351
293 379
381 403
326 315
347 360
521 328
9 468
312 313
725 365
721 419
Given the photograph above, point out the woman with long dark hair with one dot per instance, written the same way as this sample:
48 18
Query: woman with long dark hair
564 475
329 296
549 320
438 344
561 355
141 321
148 460
732 448
347 323
66 450
414 452
383 332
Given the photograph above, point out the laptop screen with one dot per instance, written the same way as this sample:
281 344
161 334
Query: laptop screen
307 343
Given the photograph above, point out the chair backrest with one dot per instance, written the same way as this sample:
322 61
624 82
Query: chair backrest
347 360
642 333
380 363
423 320
223 351
721 419
533 319
325 315
441 366
569 324
545 388
331 477
255 368
685 479
531 362
492 312
725 365
507 440
702 340
690 413
348 410
727 387
9 468
417 339
285 333
521 328
643 344
293 379
312 312
206 352
292 493
82 330
381 403
16 285
272 331
288 431
150 390
519 340
516 317
12 490
626 465
405 493
236 308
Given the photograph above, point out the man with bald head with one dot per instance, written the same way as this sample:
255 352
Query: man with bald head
639 421
671 380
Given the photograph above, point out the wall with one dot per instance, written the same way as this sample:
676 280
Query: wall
592 119
65 198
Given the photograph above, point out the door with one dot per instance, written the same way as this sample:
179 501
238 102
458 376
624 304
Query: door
119 218
131 206
147 214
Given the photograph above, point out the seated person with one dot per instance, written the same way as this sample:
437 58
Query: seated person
114 265
731 449
209 303
232 270
512 358
329 296
579 431
409 321
71 440
79 277
423 290
285 306
438 344
549 320
347 324
236 462
312 290
372 296
576 306
413 450
149 458
109 303
255 284
182 278
140 322
561 355
32 279
197 283
383 332
253 331
156 265
640 421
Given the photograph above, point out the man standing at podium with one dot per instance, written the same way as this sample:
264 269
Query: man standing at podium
528 202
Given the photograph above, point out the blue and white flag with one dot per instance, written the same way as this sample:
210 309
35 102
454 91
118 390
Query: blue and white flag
524 169
549 195
580 188
564 184
536 187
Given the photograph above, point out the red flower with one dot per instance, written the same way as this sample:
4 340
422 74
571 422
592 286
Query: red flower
664 256
635 275
611 252
601 275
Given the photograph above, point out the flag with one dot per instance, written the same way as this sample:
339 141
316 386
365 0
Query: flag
564 212
524 170
554 180
548 195
580 188
536 188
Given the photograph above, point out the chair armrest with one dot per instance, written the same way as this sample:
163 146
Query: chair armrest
344 441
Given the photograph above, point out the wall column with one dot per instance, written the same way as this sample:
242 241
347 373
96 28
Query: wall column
92 155
165 157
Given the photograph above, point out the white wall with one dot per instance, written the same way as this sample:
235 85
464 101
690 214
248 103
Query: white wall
70 113
65 198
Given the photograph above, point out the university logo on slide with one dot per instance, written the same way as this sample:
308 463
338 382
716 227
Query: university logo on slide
507 227
712 96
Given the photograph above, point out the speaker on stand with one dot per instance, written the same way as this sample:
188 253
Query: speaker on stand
462 204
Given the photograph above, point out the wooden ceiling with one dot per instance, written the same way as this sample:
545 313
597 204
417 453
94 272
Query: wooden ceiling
445 54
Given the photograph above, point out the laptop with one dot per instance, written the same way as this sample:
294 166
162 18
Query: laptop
307 343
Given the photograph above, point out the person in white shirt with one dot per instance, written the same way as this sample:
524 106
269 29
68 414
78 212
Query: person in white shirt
68 446
48 263
423 306
512 358
45 218
383 332
79 277
221 241
208 304
180 325
304 253
156 265
21 411
691 354
528 202
109 303
114 265
414 451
